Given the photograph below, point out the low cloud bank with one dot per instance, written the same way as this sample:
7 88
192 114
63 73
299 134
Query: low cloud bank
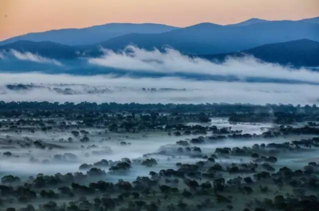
107 88
171 61
28 56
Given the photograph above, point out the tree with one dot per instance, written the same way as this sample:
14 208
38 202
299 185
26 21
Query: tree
152 207
165 189
75 133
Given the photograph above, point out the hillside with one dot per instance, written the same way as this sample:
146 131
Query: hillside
297 53
46 49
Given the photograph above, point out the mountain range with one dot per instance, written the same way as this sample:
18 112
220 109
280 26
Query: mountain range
284 42
208 38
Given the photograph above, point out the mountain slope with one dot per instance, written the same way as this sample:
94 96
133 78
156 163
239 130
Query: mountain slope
312 20
46 49
249 22
91 35
297 53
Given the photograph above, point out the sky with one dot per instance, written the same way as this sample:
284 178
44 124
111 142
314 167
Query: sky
23 16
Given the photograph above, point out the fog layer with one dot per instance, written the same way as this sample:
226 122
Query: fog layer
107 88
172 61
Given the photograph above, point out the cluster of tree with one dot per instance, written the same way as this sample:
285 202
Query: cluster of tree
216 108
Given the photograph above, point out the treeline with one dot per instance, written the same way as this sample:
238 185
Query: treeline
216 108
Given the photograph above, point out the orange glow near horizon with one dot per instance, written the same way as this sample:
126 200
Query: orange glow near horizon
23 16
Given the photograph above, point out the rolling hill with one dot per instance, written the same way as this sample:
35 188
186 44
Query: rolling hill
297 53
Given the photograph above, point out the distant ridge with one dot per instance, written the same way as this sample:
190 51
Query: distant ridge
249 22
102 33
207 38
311 20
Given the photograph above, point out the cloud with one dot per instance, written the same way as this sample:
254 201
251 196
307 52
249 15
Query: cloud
107 88
2 56
28 56
171 61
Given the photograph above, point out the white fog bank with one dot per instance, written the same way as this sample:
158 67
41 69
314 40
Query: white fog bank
107 88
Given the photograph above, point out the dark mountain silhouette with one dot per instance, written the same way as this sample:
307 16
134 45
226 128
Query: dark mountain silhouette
296 53
91 35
